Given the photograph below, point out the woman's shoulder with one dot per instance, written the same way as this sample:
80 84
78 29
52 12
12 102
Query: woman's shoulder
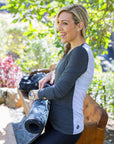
80 50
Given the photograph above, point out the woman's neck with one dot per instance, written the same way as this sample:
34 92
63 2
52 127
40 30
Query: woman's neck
77 43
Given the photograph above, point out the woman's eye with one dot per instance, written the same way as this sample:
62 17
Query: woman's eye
65 23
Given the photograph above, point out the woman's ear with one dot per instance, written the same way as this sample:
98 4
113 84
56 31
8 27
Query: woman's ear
80 26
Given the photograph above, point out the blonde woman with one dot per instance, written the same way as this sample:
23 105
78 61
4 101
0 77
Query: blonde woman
70 79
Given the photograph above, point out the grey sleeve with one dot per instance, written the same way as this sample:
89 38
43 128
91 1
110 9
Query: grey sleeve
76 66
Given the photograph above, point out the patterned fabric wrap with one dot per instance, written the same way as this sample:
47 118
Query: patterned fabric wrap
38 116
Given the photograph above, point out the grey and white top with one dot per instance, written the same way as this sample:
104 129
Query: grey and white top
73 75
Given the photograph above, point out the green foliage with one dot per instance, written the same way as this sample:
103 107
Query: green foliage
33 53
15 40
102 88
100 14
38 54
3 35
100 24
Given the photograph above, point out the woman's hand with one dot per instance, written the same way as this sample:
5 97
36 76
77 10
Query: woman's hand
49 77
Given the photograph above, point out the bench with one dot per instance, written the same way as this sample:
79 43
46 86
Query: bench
95 118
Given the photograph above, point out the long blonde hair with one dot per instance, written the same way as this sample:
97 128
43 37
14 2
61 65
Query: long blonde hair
79 14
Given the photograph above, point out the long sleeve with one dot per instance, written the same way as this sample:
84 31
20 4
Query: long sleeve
77 62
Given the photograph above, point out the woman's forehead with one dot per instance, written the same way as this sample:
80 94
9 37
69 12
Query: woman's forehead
65 16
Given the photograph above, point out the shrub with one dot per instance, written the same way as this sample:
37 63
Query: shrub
38 54
102 89
29 52
10 73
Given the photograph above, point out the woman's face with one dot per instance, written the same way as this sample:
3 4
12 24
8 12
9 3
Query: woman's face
67 28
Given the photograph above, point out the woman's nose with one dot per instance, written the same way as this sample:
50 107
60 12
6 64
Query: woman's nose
60 27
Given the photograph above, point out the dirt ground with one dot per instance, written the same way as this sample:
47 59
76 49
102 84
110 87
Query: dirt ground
109 132
109 137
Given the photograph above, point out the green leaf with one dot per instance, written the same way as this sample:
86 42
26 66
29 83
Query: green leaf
15 20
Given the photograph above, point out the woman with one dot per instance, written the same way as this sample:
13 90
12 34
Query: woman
70 79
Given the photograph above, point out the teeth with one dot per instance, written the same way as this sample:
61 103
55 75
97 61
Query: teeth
62 34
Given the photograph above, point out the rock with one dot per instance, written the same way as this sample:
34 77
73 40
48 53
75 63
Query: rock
7 135
10 97
2 94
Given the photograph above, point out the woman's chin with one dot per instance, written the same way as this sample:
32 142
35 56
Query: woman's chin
63 41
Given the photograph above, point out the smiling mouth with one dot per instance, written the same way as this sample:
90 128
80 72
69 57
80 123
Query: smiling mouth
62 36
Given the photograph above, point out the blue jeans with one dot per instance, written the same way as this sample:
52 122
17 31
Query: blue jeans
51 136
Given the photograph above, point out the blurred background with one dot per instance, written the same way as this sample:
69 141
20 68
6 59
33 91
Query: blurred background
28 42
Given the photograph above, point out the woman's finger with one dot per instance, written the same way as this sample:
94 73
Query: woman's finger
42 83
52 78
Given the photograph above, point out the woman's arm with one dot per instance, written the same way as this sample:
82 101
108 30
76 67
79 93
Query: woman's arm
77 65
